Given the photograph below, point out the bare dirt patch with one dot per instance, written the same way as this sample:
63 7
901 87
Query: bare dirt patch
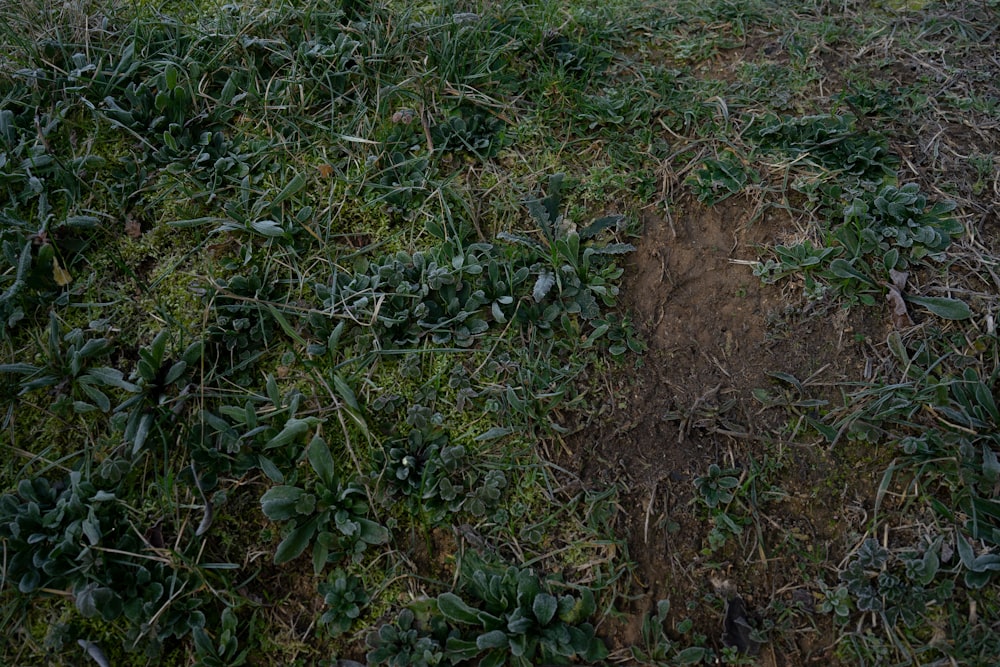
715 334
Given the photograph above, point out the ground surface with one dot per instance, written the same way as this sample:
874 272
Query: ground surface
748 429
715 334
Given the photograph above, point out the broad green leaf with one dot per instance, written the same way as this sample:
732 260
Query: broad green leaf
596 650
976 580
170 76
497 313
156 350
949 309
345 392
372 533
454 608
19 368
142 432
612 249
97 396
544 607
193 353
268 228
273 394
111 377
203 643
843 269
898 348
269 469
435 229
493 434
333 341
691 656
543 284
987 562
279 502
518 624
600 224
297 183
295 543
786 377
492 640
175 372
461 649
29 581
572 610
494 659
293 430
285 326
93 347
321 553
321 460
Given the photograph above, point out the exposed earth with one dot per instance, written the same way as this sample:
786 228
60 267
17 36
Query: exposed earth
715 334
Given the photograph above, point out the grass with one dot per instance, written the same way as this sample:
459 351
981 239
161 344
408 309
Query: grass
297 320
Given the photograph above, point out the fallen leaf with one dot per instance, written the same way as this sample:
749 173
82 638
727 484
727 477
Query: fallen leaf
738 630
900 314
405 116
325 170
132 228
899 278
59 274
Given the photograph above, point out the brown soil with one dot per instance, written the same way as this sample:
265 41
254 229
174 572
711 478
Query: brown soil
715 334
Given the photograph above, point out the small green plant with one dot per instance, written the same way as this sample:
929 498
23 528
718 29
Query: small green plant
436 294
68 371
719 179
345 596
800 258
717 486
618 333
568 264
836 601
519 622
157 386
78 538
831 144
882 232
660 648
244 326
264 215
471 131
404 642
900 220
402 180
329 513
37 248
895 588
436 477
50 534
222 650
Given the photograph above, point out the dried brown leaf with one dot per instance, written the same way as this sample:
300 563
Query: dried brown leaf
59 274
900 314
132 228
899 278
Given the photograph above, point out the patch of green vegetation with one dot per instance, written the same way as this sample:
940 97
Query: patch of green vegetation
279 278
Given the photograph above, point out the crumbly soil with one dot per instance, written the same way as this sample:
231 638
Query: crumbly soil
716 333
